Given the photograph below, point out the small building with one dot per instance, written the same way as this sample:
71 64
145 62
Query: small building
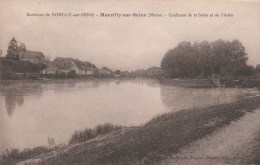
65 65
32 56
79 69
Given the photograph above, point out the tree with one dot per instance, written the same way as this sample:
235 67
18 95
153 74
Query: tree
179 62
117 72
12 51
204 59
204 62
257 69
236 58
72 74
22 47
247 70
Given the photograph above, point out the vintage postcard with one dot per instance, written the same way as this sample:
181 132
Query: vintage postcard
122 82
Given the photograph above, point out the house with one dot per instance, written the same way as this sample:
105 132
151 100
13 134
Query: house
105 71
81 69
89 71
66 65
50 69
32 56
78 69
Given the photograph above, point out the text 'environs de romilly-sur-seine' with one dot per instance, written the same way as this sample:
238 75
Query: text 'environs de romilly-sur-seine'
132 15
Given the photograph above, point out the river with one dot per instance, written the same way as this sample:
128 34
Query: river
31 112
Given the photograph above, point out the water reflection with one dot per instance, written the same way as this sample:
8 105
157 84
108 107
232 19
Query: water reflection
14 94
13 98
68 85
176 98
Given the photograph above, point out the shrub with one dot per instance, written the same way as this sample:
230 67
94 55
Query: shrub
88 133
72 74
15 155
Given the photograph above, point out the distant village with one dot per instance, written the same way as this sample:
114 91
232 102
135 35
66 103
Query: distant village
27 64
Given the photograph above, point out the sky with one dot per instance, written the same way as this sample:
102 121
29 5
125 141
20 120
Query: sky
126 43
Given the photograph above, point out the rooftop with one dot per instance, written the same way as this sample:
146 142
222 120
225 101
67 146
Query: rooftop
31 54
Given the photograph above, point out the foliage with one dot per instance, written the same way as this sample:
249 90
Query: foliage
12 51
246 70
51 141
72 74
22 66
152 72
15 155
22 47
86 134
204 59
257 70
60 75
117 72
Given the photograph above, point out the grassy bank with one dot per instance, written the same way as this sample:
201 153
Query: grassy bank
164 135
15 155
88 133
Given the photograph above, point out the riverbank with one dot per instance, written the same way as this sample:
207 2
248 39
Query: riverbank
192 83
148 144
245 82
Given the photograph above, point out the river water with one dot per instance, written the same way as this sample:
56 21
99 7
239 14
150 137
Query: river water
32 112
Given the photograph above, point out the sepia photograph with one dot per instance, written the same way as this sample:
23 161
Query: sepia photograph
129 82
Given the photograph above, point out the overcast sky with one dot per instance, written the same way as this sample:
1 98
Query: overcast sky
126 43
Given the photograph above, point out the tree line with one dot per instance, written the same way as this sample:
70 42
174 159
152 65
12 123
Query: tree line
206 59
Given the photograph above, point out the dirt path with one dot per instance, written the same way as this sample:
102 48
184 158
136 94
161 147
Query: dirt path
233 144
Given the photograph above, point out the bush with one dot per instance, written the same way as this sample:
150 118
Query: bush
9 68
15 155
60 75
72 74
88 133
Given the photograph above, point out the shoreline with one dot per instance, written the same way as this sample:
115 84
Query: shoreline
188 83
147 144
